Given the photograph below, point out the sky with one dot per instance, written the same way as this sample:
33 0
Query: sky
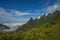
18 12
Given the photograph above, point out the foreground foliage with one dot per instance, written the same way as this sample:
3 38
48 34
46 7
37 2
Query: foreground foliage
40 33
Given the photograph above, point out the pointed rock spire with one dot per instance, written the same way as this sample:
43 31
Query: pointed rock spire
49 14
31 18
43 16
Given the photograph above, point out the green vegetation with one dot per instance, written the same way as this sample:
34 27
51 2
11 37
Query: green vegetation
45 28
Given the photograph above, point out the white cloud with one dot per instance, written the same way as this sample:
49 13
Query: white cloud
11 25
19 13
3 12
52 8
49 9
7 17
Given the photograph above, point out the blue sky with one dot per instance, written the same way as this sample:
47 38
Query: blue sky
18 12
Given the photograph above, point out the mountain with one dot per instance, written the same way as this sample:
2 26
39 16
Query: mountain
48 28
2 27
32 23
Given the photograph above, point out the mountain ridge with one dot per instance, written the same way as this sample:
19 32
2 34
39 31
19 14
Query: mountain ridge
41 21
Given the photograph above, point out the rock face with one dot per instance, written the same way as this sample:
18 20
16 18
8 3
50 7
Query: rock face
2 27
43 17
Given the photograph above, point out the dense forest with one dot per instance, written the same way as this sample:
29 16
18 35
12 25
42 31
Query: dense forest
47 27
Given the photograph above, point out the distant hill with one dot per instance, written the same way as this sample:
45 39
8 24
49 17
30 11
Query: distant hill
2 27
